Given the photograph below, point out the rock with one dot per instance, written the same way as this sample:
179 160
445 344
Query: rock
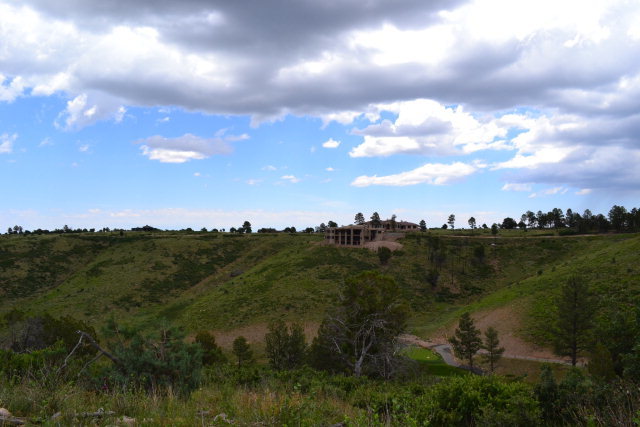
4 412
127 420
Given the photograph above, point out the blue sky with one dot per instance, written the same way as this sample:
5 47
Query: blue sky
206 114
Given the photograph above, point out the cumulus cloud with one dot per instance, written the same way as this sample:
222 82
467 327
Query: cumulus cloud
431 173
10 90
226 58
447 71
425 126
331 143
184 148
6 142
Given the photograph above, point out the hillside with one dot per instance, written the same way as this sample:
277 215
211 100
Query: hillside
221 281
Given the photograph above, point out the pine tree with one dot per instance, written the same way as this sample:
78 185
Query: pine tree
466 342
242 351
574 319
492 346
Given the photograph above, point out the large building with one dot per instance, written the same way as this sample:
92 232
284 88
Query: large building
360 234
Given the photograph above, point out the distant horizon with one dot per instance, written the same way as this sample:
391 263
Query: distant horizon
204 114
460 223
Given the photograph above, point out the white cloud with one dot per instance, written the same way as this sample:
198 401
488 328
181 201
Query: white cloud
197 174
331 143
330 169
253 181
425 126
269 168
83 148
583 192
430 173
291 178
6 142
516 187
11 90
549 192
184 148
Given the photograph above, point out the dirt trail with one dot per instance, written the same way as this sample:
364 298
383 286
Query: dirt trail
507 321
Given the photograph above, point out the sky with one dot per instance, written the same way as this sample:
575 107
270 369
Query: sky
201 113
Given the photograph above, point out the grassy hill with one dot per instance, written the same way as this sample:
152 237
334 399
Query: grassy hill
221 281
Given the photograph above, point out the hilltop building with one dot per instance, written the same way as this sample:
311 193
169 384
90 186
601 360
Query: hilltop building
360 234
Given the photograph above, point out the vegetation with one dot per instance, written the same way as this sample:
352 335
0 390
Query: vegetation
492 346
466 342
574 319
175 372
285 347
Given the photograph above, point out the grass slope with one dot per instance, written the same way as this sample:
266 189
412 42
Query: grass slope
222 281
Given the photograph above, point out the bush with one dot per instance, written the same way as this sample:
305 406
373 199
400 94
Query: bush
211 352
156 362
285 347
473 400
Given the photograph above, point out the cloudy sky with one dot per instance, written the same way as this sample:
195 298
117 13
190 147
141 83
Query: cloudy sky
205 113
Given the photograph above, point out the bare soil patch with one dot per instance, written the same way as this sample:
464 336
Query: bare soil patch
255 334
507 321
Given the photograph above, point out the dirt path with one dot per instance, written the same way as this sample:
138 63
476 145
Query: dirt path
445 350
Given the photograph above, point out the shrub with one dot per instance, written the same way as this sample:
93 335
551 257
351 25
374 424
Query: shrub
285 347
157 362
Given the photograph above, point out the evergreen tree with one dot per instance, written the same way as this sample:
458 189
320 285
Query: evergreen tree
211 352
285 347
242 351
492 346
375 220
359 335
574 319
359 219
423 225
466 342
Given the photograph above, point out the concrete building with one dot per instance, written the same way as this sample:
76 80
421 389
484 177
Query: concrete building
359 235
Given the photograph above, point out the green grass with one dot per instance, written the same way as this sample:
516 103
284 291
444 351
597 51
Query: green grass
431 363
220 281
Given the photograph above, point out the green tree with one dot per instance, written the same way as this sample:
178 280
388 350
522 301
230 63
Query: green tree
242 351
332 224
472 223
246 227
359 335
466 342
157 361
384 255
451 221
375 220
618 217
423 225
211 352
492 346
285 347
359 219
546 392
573 319
494 228
509 223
